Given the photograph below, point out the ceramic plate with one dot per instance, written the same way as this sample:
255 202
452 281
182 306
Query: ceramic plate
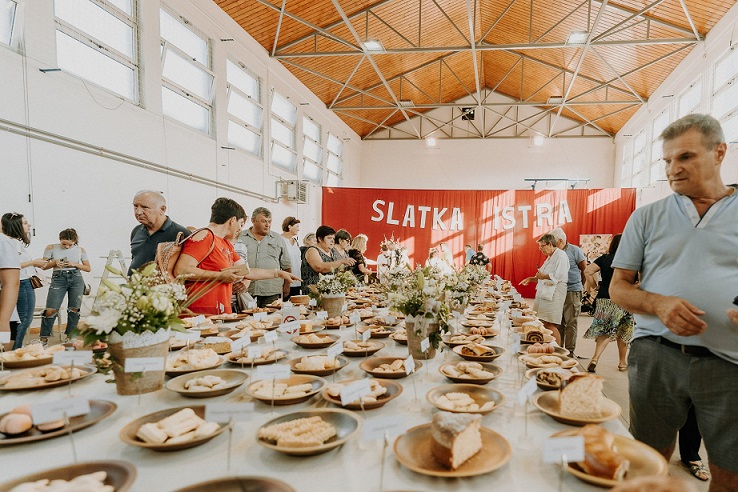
331 339
498 351
372 349
99 409
447 340
342 362
413 450
548 403
86 371
128 433
239 484
267 310
531 373
393 391
400 338
25 364
486 366
644 461
179 372
229 317
377 331
346 423
245 362
370 366
479 394
232 377
477 323
530 361
557 351
315 382
121 474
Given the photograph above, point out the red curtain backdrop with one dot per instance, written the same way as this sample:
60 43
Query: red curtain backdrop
506 222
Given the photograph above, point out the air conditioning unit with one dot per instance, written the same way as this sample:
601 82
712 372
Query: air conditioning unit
294 191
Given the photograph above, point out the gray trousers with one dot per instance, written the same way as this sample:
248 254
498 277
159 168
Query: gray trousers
569 319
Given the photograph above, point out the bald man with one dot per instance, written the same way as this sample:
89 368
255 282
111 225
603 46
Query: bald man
154 227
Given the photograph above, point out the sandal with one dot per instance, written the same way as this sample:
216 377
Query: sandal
698 470
592 365
622 367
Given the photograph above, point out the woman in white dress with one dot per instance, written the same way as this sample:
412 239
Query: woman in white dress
551 285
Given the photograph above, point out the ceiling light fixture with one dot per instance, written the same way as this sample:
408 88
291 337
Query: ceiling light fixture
407 103
373 45
538 140
554 100
430 142
577 37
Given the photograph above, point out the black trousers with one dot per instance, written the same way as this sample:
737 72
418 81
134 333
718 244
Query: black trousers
690 439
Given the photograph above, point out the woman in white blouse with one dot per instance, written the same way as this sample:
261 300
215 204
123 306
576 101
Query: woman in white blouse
551 285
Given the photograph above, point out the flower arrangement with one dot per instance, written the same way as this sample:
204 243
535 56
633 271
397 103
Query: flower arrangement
461 285
145 302
336 283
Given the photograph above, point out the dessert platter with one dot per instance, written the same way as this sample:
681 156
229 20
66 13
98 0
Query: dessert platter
465 398
478 352
545 348
171 430
313 341
399 336
32 355
387 367
268 356
382 392
360 348
239 484
470 372
309 432
44 377
377 331
192 360
334 323
89 476
579 402
539 361
207 384
295 389
318 365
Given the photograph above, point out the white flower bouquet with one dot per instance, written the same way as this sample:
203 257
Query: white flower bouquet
335 284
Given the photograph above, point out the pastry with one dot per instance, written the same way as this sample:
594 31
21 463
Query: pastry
581 397
377 390
462 402
477 350
51 426
539 348
467 370
601 457
455 438
299 433
205 383
179 427
220 345
317 363
270 389
15 423
396 365
91 482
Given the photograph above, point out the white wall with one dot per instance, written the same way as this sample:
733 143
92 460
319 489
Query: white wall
496 164
93 193
698 64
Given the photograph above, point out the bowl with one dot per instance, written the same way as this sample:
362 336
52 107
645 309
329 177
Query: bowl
346 423
316 345
239 484
233 378
234 357
497 351
121 474
315 382
486 366
372 349
479 394
370 366
377 331
342 362
128 433
394 390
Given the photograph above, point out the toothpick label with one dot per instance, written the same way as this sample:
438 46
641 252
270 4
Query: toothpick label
560 449
143 364
225 411
76 357
355 391
55 410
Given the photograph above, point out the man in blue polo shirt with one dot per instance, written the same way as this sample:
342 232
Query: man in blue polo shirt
684 351
574 286
155 227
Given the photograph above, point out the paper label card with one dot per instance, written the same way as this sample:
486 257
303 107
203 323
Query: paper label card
506 305
254 351
287 304
390 319
409 365
251 305
187 336
225 411
76 357
354 391
260 316
271 336
354 318
4 337
516 342
291 327
366 335
424 344
528 389
312 302
198 320
143 364
335 349
273 371
54 410
239 344
290 314
516 313
321 315
375 429
560 449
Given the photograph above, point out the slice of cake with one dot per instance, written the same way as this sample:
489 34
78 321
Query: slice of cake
455 438
601 457
581 396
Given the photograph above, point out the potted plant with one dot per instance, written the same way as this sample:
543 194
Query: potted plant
332 289
134 318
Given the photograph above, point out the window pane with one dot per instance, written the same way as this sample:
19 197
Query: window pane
726 101
183 38
98 23
334 163
660 123
244 138
7 14
311 129
283 157
311 171
657 150
182 109
125 5
312 151
86 62
640 179
639 162
333 180
658 171
625 181
283 108
283 134
244 109
726 69
335 145
184 73
690 99
730 129
241 79
639 143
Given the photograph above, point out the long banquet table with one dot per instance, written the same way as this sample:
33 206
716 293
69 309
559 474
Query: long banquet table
354 466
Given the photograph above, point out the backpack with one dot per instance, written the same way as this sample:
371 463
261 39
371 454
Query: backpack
167 254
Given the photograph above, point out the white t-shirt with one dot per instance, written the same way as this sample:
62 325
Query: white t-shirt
25 257
9 259
295 258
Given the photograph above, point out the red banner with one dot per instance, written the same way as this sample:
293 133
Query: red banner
507 223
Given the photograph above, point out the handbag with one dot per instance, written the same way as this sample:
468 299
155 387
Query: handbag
88 289
167 254
36 282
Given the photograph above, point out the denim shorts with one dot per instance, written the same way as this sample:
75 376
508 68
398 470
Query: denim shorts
664 383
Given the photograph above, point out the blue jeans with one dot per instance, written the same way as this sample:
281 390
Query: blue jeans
63 282
26 304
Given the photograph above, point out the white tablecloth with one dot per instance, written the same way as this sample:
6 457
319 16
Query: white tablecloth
354 466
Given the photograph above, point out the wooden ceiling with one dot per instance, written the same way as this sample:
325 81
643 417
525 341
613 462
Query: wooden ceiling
441 54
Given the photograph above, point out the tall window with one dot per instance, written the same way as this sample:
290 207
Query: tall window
626 176
312 151
335 161
640 166
97 40
284 118
7 18
657 164
245 111
187 79
690 99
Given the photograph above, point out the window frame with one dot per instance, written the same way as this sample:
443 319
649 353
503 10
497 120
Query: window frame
232 118
330 173
292 149
319 143
12 41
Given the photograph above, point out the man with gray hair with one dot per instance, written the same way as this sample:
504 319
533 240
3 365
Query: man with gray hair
574 287
684 351
149 208
266 250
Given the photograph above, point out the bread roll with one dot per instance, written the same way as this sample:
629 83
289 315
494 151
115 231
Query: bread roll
601 459
15 423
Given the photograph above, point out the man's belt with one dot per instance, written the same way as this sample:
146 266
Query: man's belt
694 350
